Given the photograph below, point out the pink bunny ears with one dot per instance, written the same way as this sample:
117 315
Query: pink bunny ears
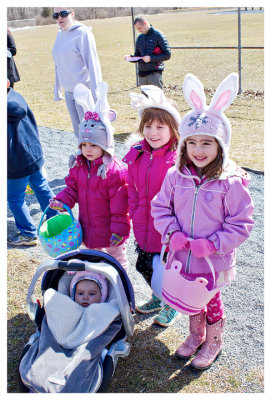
225 93
208 120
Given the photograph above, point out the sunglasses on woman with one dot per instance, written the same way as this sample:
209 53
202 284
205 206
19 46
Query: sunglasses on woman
63 14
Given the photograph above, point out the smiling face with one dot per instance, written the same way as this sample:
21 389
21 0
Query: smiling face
201 150
156 133
87 292
91 151
67 22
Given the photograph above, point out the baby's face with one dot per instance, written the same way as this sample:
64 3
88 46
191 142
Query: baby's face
87 292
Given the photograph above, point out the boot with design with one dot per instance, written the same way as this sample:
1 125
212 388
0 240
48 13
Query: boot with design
197 327
212 347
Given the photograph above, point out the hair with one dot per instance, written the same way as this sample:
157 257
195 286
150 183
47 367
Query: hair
140 19
164 117
212 170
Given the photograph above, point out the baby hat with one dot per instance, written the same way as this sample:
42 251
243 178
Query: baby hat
96 125
92 276
208 120
153 97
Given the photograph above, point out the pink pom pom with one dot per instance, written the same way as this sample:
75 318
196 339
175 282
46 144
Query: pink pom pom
92 115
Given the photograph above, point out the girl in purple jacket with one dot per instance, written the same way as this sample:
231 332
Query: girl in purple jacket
148 162
203 212
97 180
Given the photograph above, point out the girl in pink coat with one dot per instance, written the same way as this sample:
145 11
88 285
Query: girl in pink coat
203 212
97 180
148 162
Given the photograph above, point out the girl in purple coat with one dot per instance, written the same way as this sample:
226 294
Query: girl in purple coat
203 212
97 180
148 162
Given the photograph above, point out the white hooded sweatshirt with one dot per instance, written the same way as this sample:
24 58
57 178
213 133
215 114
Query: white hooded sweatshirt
76 60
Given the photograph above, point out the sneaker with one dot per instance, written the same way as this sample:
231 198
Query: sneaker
166 317
21 240
154 304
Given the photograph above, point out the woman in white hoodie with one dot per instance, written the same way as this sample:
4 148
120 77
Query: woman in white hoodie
76 60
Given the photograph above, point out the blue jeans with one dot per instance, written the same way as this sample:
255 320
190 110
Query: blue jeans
16 200
76 112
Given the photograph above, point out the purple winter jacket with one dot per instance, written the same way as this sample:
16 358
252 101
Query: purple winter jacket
103 203
219 210
146 172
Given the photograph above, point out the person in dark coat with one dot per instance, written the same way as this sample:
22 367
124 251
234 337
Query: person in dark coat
13 74
25 162
153 49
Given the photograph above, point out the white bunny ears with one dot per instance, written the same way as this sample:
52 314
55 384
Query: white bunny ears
209 120
153 96
83 96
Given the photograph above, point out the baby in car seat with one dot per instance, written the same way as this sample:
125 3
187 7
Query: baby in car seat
87 288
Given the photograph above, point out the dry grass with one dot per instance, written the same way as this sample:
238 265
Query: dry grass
114 39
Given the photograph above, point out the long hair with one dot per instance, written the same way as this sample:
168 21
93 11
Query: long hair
164 117
212 170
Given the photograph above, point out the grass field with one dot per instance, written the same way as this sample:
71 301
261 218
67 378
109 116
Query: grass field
114 39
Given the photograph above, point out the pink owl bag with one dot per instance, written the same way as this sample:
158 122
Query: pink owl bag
60 233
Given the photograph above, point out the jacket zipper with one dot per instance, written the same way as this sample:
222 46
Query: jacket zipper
88 184
147 187
187 268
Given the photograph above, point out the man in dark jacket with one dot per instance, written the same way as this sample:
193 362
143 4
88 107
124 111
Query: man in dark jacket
25 161
153 48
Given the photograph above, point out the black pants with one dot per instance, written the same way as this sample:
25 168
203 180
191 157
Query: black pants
144 264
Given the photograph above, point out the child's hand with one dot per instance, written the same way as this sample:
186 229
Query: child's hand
115 239
202 247
178 241
56 205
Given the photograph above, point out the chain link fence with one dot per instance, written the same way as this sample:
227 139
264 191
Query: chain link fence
211 43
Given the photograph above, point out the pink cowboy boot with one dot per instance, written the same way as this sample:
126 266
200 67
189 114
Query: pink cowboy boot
197 327
212 347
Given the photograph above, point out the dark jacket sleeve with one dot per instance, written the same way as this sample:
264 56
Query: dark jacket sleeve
164 47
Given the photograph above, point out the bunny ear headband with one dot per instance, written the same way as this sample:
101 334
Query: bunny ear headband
153 96
210 121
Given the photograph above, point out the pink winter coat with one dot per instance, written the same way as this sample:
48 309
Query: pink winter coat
219 210
103 203
146 172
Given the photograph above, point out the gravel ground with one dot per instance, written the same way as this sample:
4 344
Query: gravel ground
243 301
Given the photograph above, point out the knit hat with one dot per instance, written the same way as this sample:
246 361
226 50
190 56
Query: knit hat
92 276
210 121
153 97
96 126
